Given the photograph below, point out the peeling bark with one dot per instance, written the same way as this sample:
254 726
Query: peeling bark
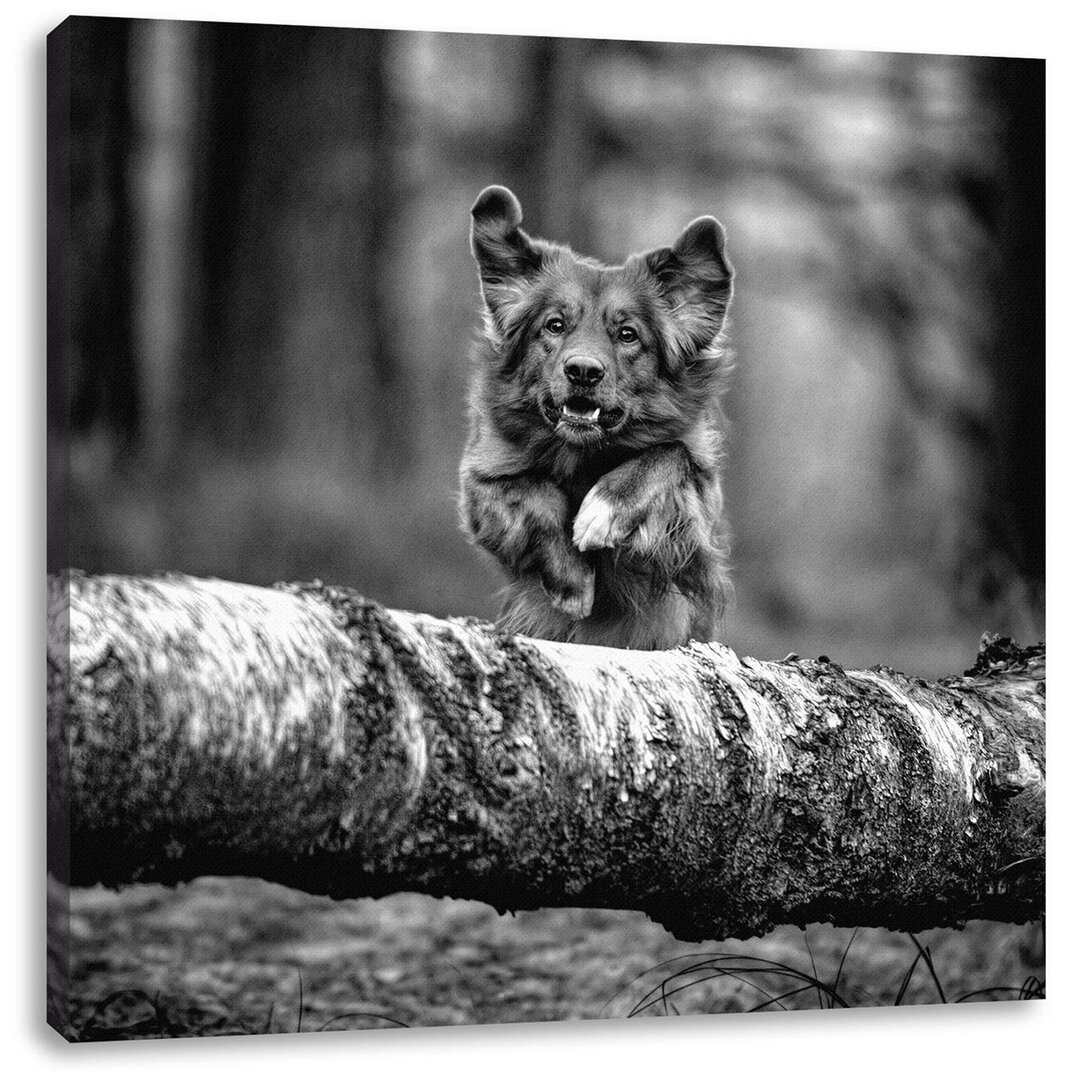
308 736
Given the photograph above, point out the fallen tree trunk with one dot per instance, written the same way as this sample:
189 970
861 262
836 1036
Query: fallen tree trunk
308 736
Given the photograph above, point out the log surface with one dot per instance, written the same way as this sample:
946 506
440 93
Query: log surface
307 736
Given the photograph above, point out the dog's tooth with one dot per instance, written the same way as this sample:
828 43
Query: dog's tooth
594 415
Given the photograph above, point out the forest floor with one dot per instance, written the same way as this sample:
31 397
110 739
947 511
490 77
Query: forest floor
238 956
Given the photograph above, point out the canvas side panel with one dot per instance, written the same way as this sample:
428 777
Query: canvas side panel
58 334
58 530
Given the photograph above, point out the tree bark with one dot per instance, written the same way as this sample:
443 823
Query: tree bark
308 736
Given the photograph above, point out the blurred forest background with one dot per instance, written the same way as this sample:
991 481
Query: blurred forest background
272 303
258 363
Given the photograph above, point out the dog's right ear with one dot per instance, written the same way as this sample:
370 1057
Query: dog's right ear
503 251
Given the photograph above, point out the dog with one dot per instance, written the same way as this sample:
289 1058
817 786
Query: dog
591 470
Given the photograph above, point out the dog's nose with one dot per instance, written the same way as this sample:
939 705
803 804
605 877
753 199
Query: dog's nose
583 370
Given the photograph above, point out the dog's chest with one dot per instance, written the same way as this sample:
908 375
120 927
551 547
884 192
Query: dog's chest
575 475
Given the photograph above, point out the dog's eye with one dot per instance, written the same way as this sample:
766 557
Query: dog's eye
555 326
627 335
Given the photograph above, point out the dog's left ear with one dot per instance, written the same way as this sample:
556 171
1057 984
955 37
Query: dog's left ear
696 278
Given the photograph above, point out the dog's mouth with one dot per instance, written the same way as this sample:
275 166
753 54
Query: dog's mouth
582 416
579 410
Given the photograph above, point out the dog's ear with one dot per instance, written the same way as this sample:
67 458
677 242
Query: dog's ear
695 277
504 252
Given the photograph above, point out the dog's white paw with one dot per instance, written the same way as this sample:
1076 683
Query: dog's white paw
597 524
576 603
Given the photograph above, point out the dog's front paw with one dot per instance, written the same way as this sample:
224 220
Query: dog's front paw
599 524
575 600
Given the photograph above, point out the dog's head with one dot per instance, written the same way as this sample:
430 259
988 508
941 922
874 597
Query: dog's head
592 355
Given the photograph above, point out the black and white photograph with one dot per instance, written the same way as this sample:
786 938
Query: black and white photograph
540 528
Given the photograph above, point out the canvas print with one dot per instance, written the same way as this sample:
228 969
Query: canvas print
539 529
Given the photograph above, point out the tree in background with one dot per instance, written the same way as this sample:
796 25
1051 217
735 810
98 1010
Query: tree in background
275 302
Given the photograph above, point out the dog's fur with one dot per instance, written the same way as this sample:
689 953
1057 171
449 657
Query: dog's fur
591 471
